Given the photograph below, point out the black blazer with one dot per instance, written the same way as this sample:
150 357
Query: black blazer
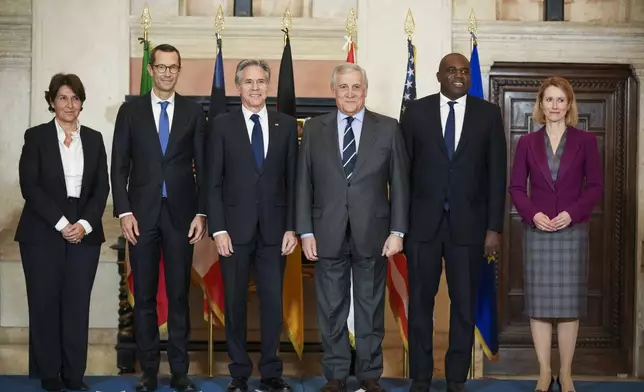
474 181
139 167
42 183
240 195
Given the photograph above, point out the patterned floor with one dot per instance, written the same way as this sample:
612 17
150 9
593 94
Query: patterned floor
126 384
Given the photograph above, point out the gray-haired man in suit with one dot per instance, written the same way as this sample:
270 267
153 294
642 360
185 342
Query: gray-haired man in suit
352 202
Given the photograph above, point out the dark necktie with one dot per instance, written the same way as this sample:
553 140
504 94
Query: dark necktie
164 135
349 151
257 141
450 131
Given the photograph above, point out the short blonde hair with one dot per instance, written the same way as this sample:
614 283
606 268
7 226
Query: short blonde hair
572 116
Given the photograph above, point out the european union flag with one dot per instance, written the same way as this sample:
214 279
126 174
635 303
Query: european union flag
486 312
218 93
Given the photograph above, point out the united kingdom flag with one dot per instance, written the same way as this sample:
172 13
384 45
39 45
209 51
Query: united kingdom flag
409 92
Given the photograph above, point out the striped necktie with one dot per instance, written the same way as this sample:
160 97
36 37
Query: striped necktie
349 151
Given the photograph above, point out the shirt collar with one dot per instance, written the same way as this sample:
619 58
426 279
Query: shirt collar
358 116
461 101
156 100
61 132
263 113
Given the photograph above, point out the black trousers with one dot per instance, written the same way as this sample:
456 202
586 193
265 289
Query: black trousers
332 284
267 265
59 278
425 265
144 260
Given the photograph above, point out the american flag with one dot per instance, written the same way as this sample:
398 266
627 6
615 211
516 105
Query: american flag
409 92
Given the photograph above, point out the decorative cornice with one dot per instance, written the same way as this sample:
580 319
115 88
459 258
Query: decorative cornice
311 38
553 41
15 36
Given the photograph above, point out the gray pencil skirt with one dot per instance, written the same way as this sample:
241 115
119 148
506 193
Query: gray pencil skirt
555 272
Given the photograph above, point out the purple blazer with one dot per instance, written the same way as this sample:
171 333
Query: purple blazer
580 160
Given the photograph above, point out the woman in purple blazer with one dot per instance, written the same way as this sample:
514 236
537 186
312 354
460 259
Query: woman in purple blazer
564 172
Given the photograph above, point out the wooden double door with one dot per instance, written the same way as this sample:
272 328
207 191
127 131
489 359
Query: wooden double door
606 97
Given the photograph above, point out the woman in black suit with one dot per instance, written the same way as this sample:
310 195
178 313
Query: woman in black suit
64 181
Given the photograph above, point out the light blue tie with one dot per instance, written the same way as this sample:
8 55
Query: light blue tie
164 134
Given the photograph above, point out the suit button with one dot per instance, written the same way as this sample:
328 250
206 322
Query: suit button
349 185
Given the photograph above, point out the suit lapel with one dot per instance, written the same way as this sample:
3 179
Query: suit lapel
273 134
179 118
569 153
240 133
330 132
367 140
468 126
149 124
435 123
541 157
56 160
87 151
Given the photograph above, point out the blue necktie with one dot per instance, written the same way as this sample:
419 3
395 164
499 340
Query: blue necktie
349 153
450 131
164 135
257 141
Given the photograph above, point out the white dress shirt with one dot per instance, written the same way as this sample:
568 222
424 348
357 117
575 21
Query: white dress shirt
156 111
73 166
263 121
459 115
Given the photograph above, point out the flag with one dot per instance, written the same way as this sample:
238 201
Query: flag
292 296
485 311
162 299
397 274
351 58
207 270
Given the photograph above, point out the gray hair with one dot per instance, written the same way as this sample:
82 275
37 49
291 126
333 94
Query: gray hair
346 68
252 63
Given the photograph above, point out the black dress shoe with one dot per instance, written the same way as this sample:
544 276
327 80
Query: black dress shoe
334 386
552 383
147 383
237 385
75 385
181 383
420 386
455 386
274 385
371 385
52 384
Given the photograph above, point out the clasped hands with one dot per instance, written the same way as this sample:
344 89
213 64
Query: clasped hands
544 223
130 229
73 233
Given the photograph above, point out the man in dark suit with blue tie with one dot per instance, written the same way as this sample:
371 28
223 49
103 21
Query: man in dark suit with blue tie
251 161
161 205
456 144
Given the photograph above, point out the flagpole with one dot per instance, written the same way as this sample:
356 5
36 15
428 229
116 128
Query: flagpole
472 28
287 24
410 27
219 26
146 20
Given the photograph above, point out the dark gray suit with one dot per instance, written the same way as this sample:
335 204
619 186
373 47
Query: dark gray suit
351 219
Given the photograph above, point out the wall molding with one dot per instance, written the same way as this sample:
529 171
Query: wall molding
194 36
15 37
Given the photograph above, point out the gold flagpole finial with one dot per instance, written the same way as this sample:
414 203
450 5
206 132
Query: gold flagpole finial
287 22
219 21
146 20
352 24
472 28
410 26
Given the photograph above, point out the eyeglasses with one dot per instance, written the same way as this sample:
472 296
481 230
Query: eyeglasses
161 68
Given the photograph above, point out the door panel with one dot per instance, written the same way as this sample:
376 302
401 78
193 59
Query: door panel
604 93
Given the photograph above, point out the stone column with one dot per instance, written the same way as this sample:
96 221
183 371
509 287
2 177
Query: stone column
90 39
382 47
15 71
